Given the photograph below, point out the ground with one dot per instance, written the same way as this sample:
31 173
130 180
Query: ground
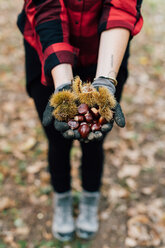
132 206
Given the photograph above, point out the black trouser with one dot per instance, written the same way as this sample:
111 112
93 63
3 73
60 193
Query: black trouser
58 147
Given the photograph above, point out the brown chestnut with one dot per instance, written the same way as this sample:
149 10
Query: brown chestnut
96 127
95 112
73 124
83 109
82 123
84 130
89 117
79 118
102 120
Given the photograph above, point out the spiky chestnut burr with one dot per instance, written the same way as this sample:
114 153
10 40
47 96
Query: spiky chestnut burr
77 85
65 111
61 97
106 103
85 92
64 104
88 94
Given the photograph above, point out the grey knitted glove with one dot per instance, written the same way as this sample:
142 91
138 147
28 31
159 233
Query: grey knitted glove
118 114
60 126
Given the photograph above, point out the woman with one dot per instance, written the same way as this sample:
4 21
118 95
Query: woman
91 39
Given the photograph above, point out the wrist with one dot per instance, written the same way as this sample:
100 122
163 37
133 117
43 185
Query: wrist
105 82
111 79
65 86
62 74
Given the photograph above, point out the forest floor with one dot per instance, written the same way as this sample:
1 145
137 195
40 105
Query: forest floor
132 206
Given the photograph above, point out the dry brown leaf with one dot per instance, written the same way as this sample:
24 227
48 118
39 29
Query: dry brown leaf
131 183
36 167
45 177
29 144
130 242
23 231
148 190
141 229
105 215
9 107
6 203
129 171
117 192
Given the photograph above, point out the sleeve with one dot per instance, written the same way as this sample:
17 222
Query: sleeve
49 21
121 13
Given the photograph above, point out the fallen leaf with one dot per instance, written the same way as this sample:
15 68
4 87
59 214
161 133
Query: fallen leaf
129 171
141 229
117 192
23 231
36 167
148 190
29 144
6 203
130 242
131 183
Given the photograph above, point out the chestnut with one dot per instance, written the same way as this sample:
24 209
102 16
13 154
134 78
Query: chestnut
83 109
79 118
82 123
96 127
88 117
102 120
84 130
73 124
95 112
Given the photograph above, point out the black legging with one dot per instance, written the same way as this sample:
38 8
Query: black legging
59 148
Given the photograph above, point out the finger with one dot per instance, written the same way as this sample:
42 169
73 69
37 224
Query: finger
91 136
61 126
98 135
82 140
47 115
107 127
69 134
76 134
119 116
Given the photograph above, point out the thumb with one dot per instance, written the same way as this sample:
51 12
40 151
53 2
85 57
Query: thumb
119 116
47 115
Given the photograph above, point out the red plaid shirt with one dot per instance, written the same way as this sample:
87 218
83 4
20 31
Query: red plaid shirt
68 31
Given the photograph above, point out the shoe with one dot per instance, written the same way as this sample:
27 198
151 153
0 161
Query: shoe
87 223
63 227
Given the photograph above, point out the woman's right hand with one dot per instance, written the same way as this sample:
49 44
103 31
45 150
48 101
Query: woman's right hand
60 126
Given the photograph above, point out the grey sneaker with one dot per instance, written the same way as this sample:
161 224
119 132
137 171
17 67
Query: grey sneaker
87 222
63 227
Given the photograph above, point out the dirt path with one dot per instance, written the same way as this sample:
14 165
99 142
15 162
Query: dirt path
132 207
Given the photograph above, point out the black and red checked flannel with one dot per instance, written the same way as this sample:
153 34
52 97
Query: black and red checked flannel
68 31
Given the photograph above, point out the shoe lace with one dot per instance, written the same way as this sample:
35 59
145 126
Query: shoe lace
64 209
89 208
